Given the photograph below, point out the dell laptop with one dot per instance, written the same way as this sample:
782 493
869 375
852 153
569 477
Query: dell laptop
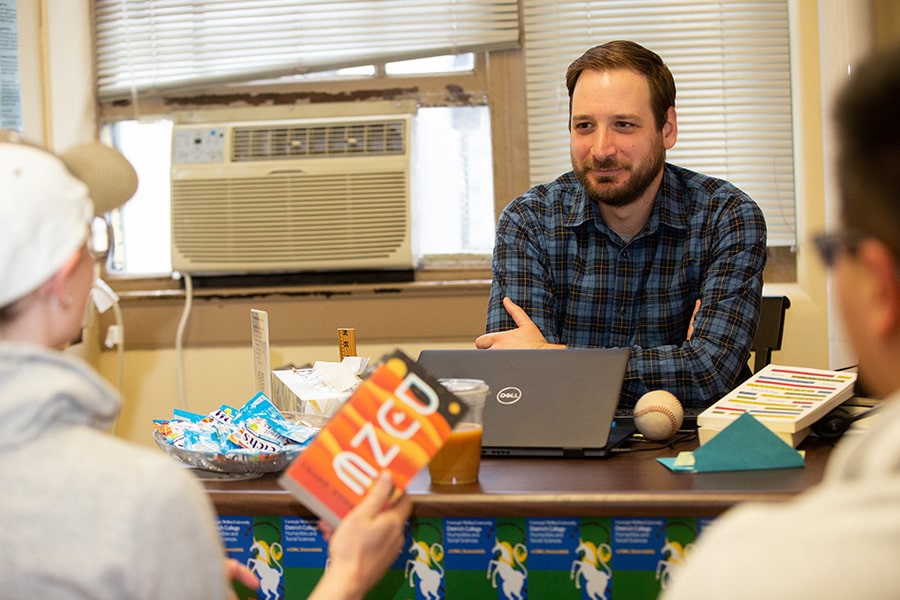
555 403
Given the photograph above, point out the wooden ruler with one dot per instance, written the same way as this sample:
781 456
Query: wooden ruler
346 342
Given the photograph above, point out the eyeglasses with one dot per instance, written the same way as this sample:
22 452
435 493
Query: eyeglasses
831 244
99 239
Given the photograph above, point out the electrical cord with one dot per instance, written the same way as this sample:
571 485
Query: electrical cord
179 336
118 339
105 298
638 443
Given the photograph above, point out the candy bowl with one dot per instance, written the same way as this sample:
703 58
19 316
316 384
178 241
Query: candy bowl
278 438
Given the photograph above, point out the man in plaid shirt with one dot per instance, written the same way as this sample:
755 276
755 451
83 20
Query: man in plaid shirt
627 250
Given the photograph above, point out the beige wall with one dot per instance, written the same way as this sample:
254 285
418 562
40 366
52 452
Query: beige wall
219 375
886 19
57 85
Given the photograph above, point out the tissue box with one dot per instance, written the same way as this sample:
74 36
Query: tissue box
303 390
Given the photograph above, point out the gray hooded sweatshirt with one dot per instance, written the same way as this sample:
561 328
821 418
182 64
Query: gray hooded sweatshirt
86 515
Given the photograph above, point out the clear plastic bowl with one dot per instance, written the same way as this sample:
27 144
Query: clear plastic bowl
238 462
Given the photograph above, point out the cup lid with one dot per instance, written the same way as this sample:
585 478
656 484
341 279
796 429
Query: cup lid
456 384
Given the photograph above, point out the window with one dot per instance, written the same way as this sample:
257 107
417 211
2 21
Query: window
141 226
245 47
453 199
731 63
451 192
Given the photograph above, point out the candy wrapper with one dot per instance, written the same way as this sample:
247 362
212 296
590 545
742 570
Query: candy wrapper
254 436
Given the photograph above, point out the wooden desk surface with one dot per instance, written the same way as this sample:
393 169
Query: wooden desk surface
632 484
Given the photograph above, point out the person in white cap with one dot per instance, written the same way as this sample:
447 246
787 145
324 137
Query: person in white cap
83 514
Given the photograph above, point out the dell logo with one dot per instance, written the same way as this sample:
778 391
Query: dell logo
509 395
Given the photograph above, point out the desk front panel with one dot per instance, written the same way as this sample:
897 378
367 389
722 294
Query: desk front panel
531 528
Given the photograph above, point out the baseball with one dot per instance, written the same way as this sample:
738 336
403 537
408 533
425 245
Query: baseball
658 415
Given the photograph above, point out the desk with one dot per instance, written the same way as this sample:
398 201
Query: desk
555 526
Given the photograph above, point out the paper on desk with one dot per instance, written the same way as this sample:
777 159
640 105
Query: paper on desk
744 445
342 376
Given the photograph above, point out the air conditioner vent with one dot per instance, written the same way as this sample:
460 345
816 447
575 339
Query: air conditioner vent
299 195
291 222
281 142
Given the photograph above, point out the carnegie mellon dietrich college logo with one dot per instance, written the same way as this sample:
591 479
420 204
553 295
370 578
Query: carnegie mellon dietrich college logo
509 395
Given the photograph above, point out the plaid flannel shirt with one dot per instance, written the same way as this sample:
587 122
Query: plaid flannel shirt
585 286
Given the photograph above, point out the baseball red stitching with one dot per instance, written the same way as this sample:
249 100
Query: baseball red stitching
663 409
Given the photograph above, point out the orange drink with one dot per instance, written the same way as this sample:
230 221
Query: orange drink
459 458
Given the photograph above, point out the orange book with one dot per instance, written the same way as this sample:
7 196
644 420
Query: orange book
396 420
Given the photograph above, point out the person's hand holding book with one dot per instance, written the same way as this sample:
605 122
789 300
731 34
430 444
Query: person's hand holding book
365 544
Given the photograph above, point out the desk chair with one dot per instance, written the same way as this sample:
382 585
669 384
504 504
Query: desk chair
770 329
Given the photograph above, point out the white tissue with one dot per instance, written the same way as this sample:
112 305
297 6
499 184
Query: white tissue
321 389
342 376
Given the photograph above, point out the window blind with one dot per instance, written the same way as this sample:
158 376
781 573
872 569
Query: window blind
162 45
731 63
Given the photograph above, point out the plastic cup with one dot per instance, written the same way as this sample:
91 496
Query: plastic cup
459 460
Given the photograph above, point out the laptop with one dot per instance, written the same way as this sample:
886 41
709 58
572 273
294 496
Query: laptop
554 403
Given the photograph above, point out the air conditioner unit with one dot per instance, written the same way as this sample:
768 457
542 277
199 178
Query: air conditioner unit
274 196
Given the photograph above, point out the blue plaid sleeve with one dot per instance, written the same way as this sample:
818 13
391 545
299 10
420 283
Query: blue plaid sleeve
701 370
523 268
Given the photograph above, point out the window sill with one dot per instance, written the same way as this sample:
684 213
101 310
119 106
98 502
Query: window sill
447 305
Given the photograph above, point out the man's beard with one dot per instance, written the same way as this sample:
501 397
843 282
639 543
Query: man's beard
629 191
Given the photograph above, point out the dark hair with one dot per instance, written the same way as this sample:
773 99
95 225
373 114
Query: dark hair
868 159
10 312
623 54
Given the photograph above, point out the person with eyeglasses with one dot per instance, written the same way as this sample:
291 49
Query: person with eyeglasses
82 513
842 538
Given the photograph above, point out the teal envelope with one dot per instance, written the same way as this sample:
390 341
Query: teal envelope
744 445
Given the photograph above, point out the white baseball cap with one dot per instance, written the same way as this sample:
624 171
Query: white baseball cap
47 202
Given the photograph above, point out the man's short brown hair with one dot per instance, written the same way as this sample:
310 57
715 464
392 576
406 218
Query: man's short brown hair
623 54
